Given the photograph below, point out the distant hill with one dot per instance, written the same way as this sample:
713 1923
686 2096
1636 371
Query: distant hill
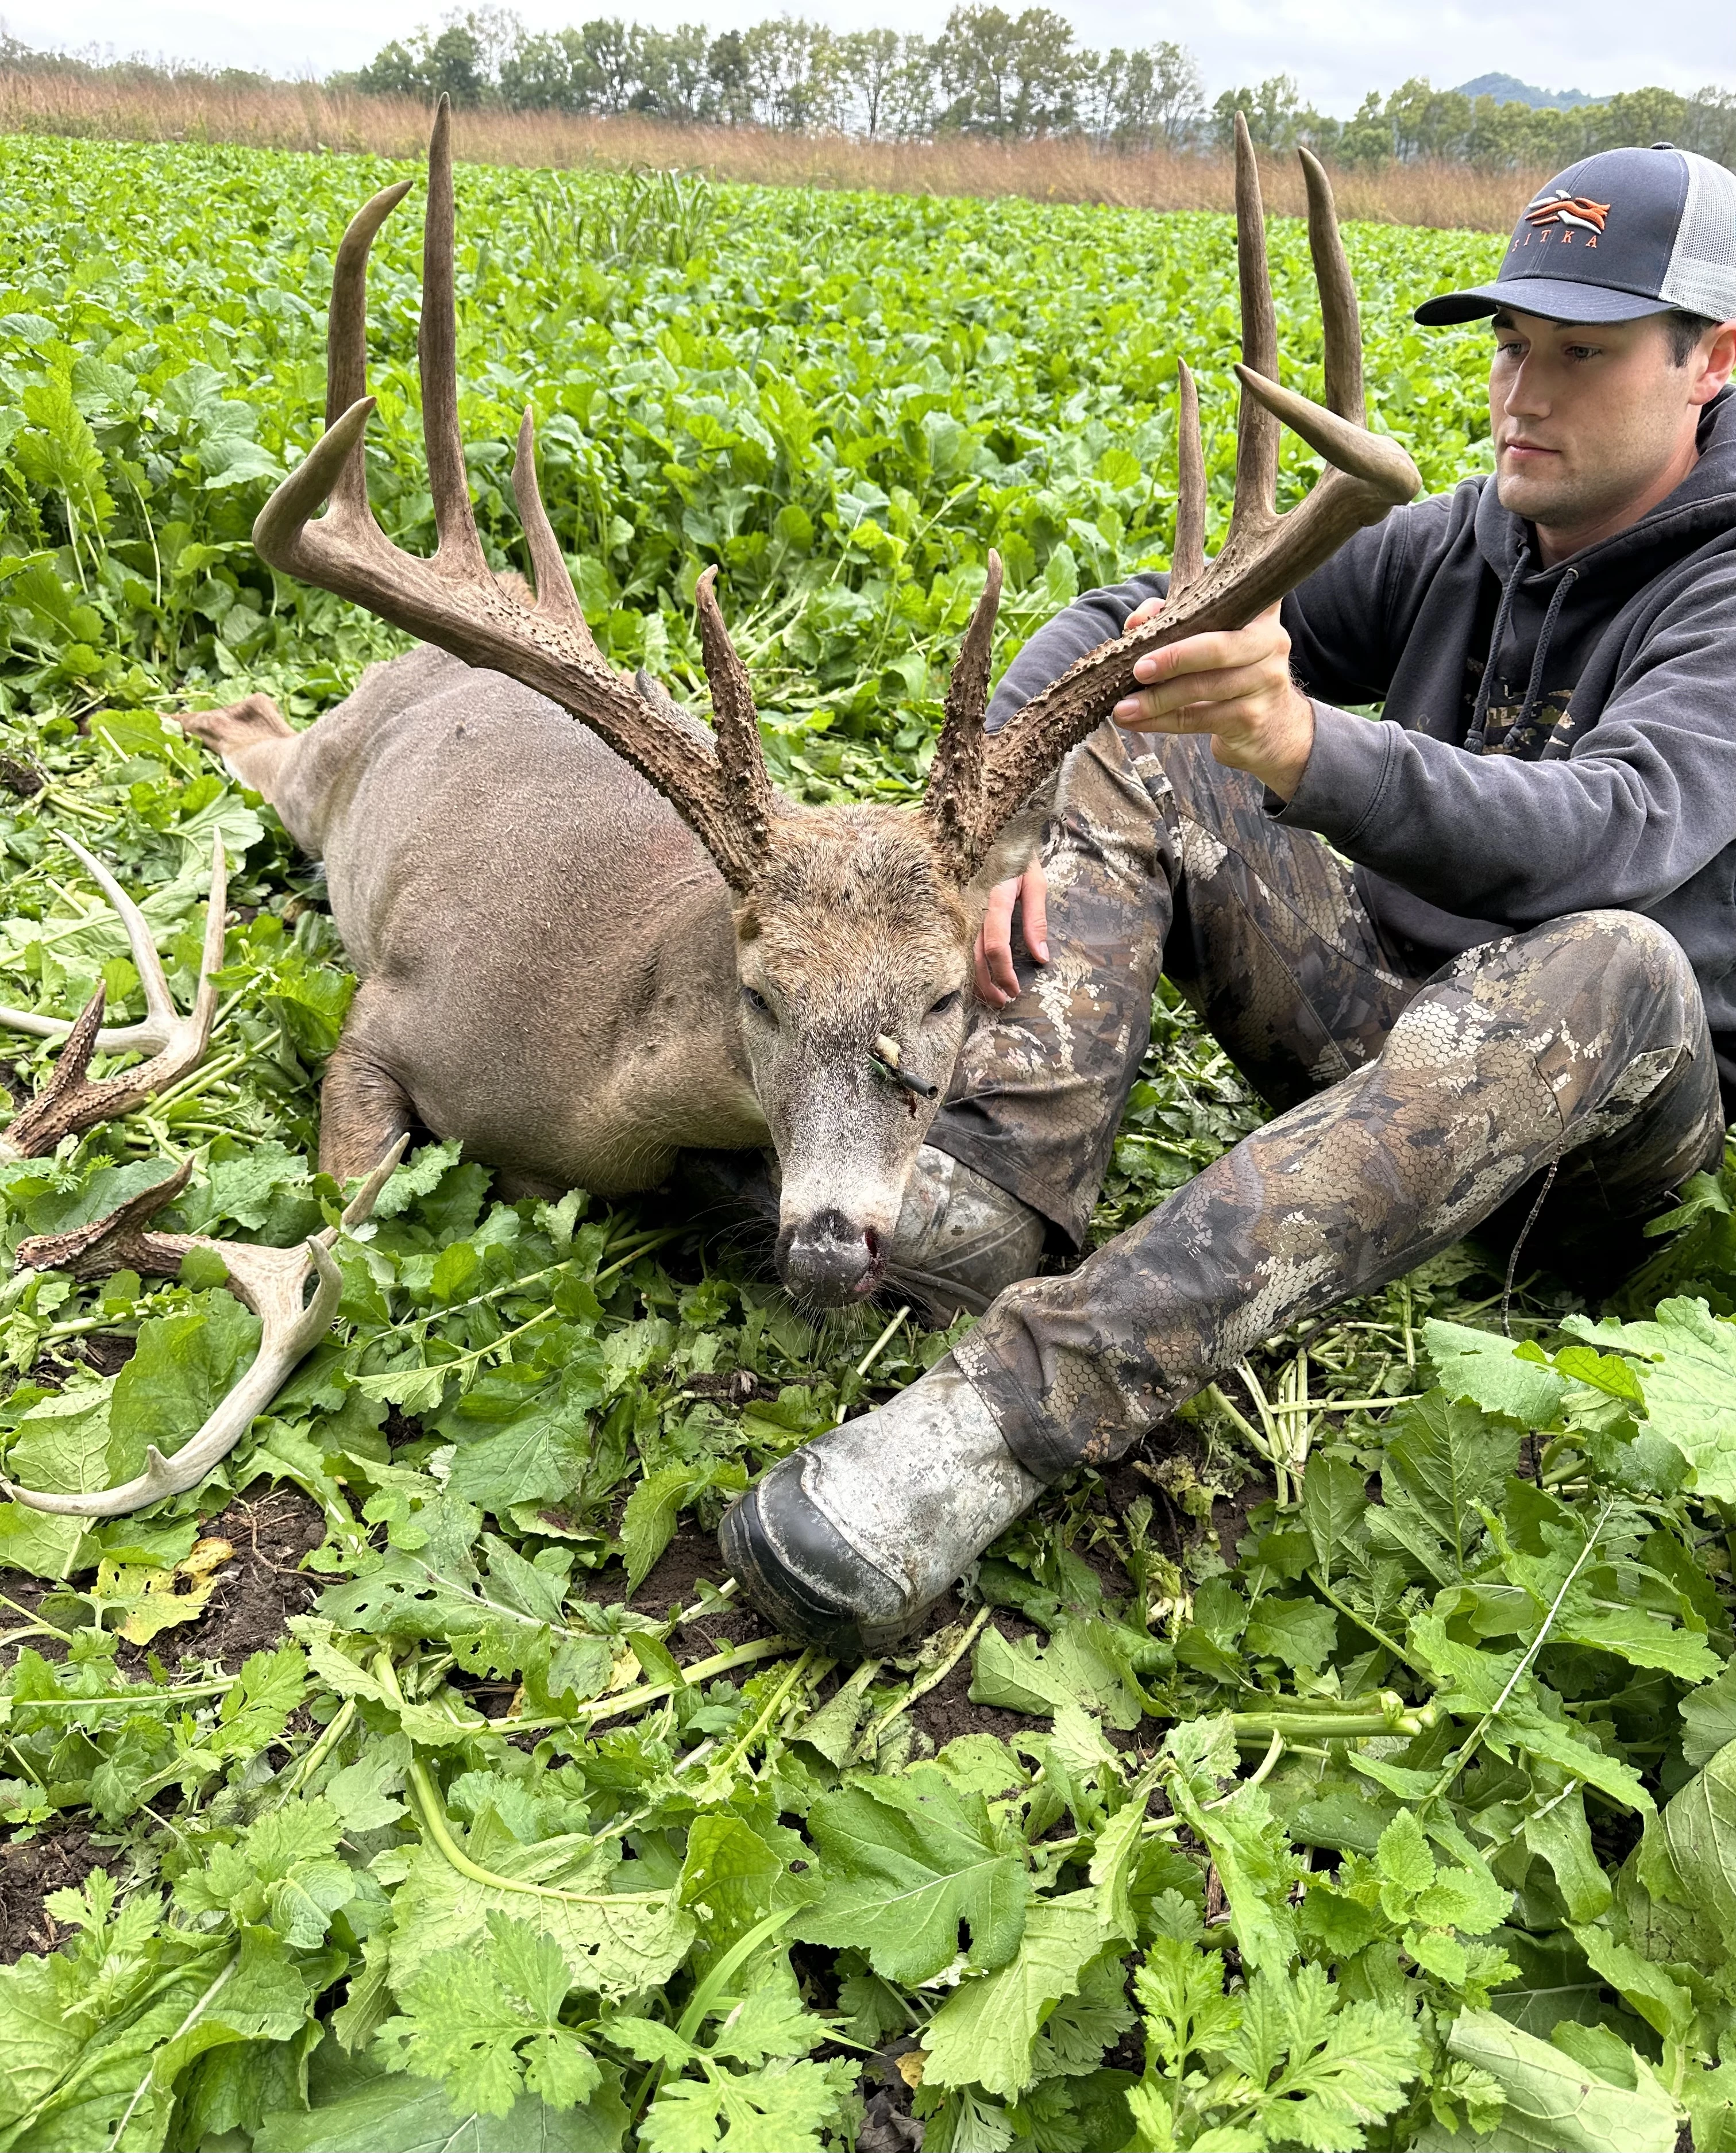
1509 90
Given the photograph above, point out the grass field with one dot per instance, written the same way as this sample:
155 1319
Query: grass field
1061 168
1347 1768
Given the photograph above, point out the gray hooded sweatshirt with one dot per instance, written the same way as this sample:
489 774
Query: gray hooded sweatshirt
1553 740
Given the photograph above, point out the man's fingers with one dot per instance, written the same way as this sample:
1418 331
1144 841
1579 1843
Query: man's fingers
1141 613
997 982
1198 692
1035 896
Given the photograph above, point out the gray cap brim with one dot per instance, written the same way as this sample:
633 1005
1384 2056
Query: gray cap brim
1556 298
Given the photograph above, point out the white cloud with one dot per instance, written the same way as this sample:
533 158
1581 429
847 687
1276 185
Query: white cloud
1337 49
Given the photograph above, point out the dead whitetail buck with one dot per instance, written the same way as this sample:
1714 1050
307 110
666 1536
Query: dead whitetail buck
585 947
270 1281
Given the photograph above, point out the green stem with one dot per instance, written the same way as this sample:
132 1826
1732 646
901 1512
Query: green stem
1462 1757
341 1723
721 1771
1379 1635
629 1700
868 1743
437 1830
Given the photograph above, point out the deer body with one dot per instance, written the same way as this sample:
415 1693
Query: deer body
547 952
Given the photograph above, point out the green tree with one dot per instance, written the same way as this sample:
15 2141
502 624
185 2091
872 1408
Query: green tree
1009 76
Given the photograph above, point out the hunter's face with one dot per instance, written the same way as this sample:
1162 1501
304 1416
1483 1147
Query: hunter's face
1586 417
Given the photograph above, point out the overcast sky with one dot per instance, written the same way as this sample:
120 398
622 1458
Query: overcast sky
1335 49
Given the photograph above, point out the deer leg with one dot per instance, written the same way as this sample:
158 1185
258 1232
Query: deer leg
252 736
364 1110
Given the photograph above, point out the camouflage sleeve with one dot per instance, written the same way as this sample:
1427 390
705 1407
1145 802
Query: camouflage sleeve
1098 617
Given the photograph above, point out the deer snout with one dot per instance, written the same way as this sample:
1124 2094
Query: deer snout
830 1259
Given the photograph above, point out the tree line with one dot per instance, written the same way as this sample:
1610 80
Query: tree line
992 73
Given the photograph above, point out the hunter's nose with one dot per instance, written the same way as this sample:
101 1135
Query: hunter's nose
829 1259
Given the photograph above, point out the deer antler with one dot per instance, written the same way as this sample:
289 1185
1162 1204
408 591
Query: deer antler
270 1281
977 785
70 1103
454 599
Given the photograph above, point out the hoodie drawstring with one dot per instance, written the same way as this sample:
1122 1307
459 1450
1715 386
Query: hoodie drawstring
1534 686
1479 709
1546 634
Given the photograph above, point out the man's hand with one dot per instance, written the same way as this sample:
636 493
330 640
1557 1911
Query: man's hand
1235 684
997 982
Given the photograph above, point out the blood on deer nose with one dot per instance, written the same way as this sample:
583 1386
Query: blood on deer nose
827 1260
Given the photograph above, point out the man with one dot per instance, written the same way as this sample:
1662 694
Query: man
1520 999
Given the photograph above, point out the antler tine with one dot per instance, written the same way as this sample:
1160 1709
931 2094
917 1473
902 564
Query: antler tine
955 778
459 549
1265 555
1256 438
1187 560
270 1281
347 342
152 1032
556 598
1341 320
741 759
69 1104
454 601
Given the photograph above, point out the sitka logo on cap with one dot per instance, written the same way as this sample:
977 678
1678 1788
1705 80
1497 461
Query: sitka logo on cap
1578 213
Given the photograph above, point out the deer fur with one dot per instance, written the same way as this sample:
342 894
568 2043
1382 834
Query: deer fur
555 972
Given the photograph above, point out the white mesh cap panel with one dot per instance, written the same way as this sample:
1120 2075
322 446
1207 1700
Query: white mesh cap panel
1702 275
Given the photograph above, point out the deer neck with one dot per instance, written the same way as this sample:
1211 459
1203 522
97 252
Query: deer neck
681 1069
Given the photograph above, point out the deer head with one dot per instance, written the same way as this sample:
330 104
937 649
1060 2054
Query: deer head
853 924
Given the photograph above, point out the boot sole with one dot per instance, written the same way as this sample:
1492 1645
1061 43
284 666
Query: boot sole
790 1603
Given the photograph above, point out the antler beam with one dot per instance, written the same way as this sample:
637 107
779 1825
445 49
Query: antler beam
270 1281
453 599
1265 555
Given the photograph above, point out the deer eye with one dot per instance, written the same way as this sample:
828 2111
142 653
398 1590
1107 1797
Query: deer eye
756 1001
947 1001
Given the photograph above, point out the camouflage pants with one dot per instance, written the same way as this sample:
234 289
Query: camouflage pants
1416 1108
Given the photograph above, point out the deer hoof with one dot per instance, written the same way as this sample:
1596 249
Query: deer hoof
848 1542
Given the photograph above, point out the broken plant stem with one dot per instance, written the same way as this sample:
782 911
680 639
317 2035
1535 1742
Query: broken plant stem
868 1743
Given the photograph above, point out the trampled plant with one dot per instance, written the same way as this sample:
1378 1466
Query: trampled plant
1353 1769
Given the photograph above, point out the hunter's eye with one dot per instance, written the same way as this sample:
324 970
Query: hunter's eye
949 1001
756 1001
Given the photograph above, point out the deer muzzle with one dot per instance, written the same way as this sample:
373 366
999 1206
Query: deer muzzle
829 1260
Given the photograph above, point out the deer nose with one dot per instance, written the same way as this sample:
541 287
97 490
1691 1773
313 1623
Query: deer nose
829 1259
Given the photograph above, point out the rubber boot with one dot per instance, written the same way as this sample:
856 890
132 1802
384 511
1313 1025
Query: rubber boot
960 1241
847 1543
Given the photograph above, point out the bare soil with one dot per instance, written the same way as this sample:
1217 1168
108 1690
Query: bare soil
29 1871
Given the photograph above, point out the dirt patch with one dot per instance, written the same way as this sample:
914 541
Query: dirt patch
674 1582
947 1710
29 1871
270 1532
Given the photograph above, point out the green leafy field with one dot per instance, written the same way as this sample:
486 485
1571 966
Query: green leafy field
1351 1767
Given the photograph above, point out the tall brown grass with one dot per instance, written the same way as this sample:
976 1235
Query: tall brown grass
306 116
